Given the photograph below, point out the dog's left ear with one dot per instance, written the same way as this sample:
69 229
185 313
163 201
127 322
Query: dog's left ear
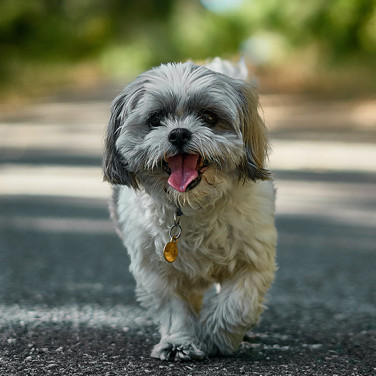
255 136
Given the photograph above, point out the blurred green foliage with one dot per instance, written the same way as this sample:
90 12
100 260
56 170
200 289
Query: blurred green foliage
39 38
341 28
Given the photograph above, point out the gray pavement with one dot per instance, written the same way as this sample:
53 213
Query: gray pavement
67 304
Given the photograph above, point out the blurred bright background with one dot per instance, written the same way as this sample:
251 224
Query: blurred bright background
62 63
314 61
315 46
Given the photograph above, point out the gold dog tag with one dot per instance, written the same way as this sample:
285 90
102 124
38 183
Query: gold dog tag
170 250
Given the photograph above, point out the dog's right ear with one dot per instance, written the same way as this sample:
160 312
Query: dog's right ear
115 169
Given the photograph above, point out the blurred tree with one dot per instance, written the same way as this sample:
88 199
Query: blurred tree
126 36
54 31
340 28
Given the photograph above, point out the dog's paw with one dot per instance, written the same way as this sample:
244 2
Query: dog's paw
177 352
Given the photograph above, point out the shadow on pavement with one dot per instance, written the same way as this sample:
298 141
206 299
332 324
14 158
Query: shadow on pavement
58 251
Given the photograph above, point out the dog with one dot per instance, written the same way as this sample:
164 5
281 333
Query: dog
185 151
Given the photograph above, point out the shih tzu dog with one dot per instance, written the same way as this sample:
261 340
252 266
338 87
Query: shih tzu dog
185 151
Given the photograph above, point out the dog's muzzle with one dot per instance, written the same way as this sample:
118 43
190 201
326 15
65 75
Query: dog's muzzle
185 169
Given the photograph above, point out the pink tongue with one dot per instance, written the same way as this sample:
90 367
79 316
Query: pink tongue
183 170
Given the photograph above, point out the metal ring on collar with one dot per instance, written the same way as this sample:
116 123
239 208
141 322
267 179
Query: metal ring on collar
177 235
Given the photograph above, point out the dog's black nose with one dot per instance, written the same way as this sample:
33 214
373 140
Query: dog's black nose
179 137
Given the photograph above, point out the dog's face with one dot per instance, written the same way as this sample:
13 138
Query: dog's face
185 132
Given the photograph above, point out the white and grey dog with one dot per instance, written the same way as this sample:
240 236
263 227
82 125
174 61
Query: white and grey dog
185 150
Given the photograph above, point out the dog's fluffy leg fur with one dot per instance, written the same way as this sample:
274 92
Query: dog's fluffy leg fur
177 323
177 318
227 316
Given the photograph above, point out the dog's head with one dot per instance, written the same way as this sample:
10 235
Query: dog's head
187 132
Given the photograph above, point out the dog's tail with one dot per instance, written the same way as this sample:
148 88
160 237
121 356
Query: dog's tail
237 70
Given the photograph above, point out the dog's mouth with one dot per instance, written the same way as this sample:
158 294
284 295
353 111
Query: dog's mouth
185 170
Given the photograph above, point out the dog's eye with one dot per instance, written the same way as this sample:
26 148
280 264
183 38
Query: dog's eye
209 117
156 118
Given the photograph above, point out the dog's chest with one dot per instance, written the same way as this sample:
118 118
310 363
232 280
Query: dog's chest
213 247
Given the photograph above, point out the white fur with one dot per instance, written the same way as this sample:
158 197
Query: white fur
228 233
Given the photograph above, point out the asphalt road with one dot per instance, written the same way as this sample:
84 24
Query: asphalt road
67 304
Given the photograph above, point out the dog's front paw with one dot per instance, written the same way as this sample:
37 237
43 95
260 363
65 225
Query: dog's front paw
177 352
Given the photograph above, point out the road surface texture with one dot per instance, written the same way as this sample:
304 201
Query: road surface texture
67 304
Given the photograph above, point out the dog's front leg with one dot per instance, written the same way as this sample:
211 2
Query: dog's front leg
178 329
228 315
